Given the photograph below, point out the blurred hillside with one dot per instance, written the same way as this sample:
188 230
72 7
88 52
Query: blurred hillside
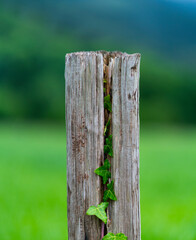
35 36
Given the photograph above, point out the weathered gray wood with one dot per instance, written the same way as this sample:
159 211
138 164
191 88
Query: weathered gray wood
85 141
84 126
124 214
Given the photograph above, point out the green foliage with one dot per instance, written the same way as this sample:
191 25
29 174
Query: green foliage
109 193
99 211
108 146
103 171
107 103
32 83
106 127
118 236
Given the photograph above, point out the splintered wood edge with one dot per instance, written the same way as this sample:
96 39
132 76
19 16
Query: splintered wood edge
112 54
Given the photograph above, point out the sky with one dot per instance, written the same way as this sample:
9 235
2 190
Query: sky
183 1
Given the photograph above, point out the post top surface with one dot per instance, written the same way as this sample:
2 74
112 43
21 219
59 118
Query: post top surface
105 54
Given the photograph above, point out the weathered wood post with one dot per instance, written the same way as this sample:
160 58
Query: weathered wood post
84 75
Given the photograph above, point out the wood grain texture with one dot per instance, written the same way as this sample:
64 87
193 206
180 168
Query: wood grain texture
84 129
124 214
85 141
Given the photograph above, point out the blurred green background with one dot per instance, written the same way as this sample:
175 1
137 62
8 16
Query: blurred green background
34 38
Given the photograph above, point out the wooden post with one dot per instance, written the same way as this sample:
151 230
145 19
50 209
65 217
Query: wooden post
85 142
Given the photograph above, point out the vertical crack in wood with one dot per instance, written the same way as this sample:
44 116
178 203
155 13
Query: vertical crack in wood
107 68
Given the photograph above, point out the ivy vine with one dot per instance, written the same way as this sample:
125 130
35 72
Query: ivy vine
103 171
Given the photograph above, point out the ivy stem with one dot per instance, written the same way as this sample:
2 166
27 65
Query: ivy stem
102 229
102 224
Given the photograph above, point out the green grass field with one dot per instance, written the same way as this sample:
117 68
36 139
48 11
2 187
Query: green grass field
33 182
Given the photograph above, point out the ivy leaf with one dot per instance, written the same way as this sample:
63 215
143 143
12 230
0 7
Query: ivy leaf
107 103
99 211
103 171
109 193
108 147
106 127
118 236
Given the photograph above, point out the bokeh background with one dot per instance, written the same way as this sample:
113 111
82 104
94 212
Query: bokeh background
34 38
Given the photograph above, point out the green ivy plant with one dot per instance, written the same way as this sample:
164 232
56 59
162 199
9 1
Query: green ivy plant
103 171
109 192
99 211
108 149
106 127
107 103
118 236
